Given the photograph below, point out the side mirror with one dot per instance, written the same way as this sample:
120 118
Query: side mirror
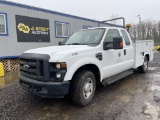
116 44
60 43
107 45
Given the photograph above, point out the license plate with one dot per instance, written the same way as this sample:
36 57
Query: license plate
25 86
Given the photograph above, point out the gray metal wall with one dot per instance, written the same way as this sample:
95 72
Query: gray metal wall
9 45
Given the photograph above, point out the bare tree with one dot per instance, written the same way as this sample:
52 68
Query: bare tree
116 22
149 29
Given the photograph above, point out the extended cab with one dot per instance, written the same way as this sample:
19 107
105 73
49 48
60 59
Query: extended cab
86 58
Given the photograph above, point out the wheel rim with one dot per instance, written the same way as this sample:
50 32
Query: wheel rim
88 88
145 65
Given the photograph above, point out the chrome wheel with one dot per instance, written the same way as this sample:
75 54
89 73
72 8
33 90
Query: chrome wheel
83 87
88 88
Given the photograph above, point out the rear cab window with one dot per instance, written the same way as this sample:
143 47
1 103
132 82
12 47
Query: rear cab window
125 36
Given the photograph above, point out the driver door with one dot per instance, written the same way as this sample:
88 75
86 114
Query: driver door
113 60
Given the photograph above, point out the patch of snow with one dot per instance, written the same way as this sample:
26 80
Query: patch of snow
151 111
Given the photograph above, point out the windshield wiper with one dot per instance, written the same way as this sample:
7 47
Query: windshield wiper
76 44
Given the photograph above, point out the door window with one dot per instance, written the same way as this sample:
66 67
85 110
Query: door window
110 35
125 36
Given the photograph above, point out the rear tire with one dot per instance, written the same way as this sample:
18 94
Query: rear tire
144 67
83 88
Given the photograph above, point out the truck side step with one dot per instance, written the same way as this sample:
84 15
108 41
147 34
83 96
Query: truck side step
117 77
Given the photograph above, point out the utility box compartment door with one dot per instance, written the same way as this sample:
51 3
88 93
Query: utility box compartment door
141 48
138 54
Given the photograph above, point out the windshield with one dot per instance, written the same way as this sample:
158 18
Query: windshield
85 37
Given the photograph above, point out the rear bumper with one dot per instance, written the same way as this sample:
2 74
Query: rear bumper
44 89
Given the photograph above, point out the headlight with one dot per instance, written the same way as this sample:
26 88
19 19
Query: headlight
58 66
57 71
61 65
58 75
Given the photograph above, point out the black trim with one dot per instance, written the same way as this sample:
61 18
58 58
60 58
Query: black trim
142 53
54 70
44 89
39 64
116 77
124 51
99 56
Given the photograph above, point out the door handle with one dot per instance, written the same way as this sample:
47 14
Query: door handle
124 51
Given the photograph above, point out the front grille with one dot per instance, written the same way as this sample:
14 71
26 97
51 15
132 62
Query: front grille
35 66
32 68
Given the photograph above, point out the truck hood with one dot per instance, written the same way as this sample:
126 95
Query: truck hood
57 51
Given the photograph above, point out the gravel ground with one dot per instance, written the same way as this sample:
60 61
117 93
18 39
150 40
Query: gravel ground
136 97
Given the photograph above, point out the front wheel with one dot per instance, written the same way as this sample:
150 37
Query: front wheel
144 67
83 88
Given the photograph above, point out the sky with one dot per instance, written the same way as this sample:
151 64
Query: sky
102 9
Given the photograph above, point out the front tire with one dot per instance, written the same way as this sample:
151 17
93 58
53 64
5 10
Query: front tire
144 67
83 88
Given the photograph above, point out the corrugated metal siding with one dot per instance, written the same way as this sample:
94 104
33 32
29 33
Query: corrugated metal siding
9 45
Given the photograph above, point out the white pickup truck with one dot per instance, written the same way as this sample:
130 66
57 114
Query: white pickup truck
100 55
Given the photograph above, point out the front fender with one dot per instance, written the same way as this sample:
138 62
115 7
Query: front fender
74 67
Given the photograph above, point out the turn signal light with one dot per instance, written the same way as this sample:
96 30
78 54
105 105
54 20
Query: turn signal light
121 44
63 65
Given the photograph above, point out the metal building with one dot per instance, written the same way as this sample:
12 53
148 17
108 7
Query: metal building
24 27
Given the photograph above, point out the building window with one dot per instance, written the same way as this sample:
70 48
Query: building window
86 27
62 29
3 24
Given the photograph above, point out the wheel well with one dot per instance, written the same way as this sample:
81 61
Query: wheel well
147 55
91 67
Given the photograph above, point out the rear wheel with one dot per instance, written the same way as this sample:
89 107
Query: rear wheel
144 67
83 88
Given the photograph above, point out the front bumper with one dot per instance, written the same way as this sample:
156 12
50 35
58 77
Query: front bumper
44 89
